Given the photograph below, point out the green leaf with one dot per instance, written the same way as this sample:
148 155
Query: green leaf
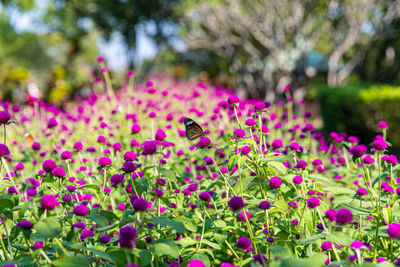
315 261
92 186
340 238
143 183
246 180
189 224
355 210
203 257
47 228
166 248
99 253
165 221
170 175
277 166
6 204
109 215
279 251
145 258
75 261
278 158
100 220
9 122
186 242
211 244
119 257
232 162
220 223
311 239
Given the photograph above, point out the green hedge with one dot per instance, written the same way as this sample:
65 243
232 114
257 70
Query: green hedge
357 109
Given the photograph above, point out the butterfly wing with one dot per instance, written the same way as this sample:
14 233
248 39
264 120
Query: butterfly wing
193 130
28 139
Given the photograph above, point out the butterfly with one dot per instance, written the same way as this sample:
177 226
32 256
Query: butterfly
193 130
28 139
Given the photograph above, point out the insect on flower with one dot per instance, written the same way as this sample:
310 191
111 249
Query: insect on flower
28 139
193 130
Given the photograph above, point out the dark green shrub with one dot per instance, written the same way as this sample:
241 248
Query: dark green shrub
357 109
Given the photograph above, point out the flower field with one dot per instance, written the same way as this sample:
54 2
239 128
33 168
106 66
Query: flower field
111 180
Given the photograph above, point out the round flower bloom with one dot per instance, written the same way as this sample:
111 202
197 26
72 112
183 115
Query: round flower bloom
239 133
264 205
36 146
270 239
260 259
48 202
104 161
204 142
81 210
367 159
243 242
205 196
277 143
4 151
49 165
225 264
344 216
160 135
242 218
275 182
361 191
233 99
149 147
127 236
66 155
158 192
86 234
116 179
260 105
312 202
129 156
316 162
4 116
379 144
128 167
250 122
104 239
245 150
59 172
393 230
382 124
135 128
301 164
297 179
358 150
326 245
139 204
356 244
196 263
52 123
38 245
25 225
78 146
236 203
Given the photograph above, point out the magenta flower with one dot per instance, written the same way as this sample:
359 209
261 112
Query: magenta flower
233 100
4 151
275 182
297 179
116 179
301 164
25 225
358 150
135 128
4 117
48 202
243 242
66 155
129 156
104 161
312 202
277 143
59 172
259 105
326 245
78 146
250 122
239 133
242 218
127 236
236 203
139 204
361 191
379 144
160 135
382 124
264 205
203 142
104 239
38 245
149 147
49 165
393 230
81 210
205 196
52 123
245 150
344 216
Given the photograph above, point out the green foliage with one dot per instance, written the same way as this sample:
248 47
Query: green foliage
357 109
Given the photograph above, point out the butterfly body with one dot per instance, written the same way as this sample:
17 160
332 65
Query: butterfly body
193 130
28 139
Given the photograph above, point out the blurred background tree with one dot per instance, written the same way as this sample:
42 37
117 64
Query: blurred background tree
321 48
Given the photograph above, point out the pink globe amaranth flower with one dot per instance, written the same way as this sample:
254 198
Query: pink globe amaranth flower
116 179
104 239
301 164
293 204
393 230
139 204
117 146
382 124
275 182
25 225
326 245
100 59
277 143
81 210
242 218
152 114
356 244
86 234
233 100
149 147
391 159
129 156
316 162
367 159
297 179
127 236
52 123
104 161
236 203
260 259
313 202
66 155
205 196
379 144
344 216
361 191
128 167
160 135
286 89
196 263
245 150
239 133
250 122
36 146
358 150
37 245
203 142
59 172
264 129
4 117
353 139
224 264
260 105
135 128
264 205
243 242
49 165
78 146
33 192
48 202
